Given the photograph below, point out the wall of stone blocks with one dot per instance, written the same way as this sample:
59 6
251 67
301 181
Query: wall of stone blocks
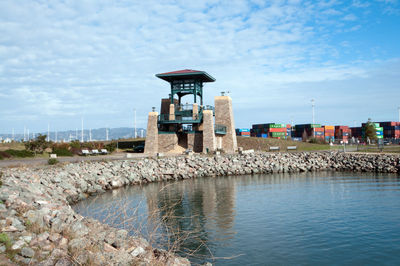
167 142
224 116
195 142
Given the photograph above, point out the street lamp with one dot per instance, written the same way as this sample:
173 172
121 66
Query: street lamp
313 115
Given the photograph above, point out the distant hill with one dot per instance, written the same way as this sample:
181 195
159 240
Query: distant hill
97 134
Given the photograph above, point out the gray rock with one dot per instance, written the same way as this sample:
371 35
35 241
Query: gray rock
27 252
63 262
138 251
78 229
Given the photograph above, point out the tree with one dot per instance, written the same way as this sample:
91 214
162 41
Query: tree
370 131
38 145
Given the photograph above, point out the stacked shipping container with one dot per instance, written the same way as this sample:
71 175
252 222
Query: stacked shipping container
269 130
312 130
329 133
391 130
356 132
244 132
343 133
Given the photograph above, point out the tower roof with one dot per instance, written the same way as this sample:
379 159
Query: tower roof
186 74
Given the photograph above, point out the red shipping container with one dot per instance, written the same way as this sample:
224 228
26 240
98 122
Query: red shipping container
278 129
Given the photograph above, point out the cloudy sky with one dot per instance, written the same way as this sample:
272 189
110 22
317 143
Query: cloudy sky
63 60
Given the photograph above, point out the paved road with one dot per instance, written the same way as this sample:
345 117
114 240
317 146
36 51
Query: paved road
75 159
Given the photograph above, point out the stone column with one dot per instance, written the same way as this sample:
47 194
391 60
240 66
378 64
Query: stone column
224 116
208 131
151 142
195 111
171 112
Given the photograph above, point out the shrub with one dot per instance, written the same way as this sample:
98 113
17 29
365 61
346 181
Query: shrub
62 152
38 145
111 146
20 153
61 149
75 144
52 161
3 155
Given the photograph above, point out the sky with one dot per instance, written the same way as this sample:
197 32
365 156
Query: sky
61 61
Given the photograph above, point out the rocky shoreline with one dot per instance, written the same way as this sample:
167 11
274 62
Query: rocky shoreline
39 226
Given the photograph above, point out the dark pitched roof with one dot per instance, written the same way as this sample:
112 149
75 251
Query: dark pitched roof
186 74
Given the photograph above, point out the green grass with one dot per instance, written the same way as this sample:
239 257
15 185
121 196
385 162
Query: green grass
5 239
20 153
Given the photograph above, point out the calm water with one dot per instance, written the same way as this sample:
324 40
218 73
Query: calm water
315 218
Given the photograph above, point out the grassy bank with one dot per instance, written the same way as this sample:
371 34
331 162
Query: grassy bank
263 144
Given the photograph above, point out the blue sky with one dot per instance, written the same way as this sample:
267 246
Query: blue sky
63 60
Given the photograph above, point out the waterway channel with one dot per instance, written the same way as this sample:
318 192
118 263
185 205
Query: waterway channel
286 219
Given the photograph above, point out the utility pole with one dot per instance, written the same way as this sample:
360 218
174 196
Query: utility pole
141 133
313 115
134 110
24 133
398 108
106 134
82 130
28 134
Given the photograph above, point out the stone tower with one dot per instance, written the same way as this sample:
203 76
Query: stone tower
194 126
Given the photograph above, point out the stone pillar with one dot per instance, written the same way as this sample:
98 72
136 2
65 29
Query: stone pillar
171 112
208 131
224 116
151 142
195 111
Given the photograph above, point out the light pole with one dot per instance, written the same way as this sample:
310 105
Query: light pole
398 108
82 130
313 105
134 135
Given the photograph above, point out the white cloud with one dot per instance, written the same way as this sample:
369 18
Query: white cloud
98 58
350 17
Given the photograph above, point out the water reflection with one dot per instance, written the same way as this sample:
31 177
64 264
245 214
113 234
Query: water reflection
281 218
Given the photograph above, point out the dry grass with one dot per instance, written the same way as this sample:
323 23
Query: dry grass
263 144
13 146
159 224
